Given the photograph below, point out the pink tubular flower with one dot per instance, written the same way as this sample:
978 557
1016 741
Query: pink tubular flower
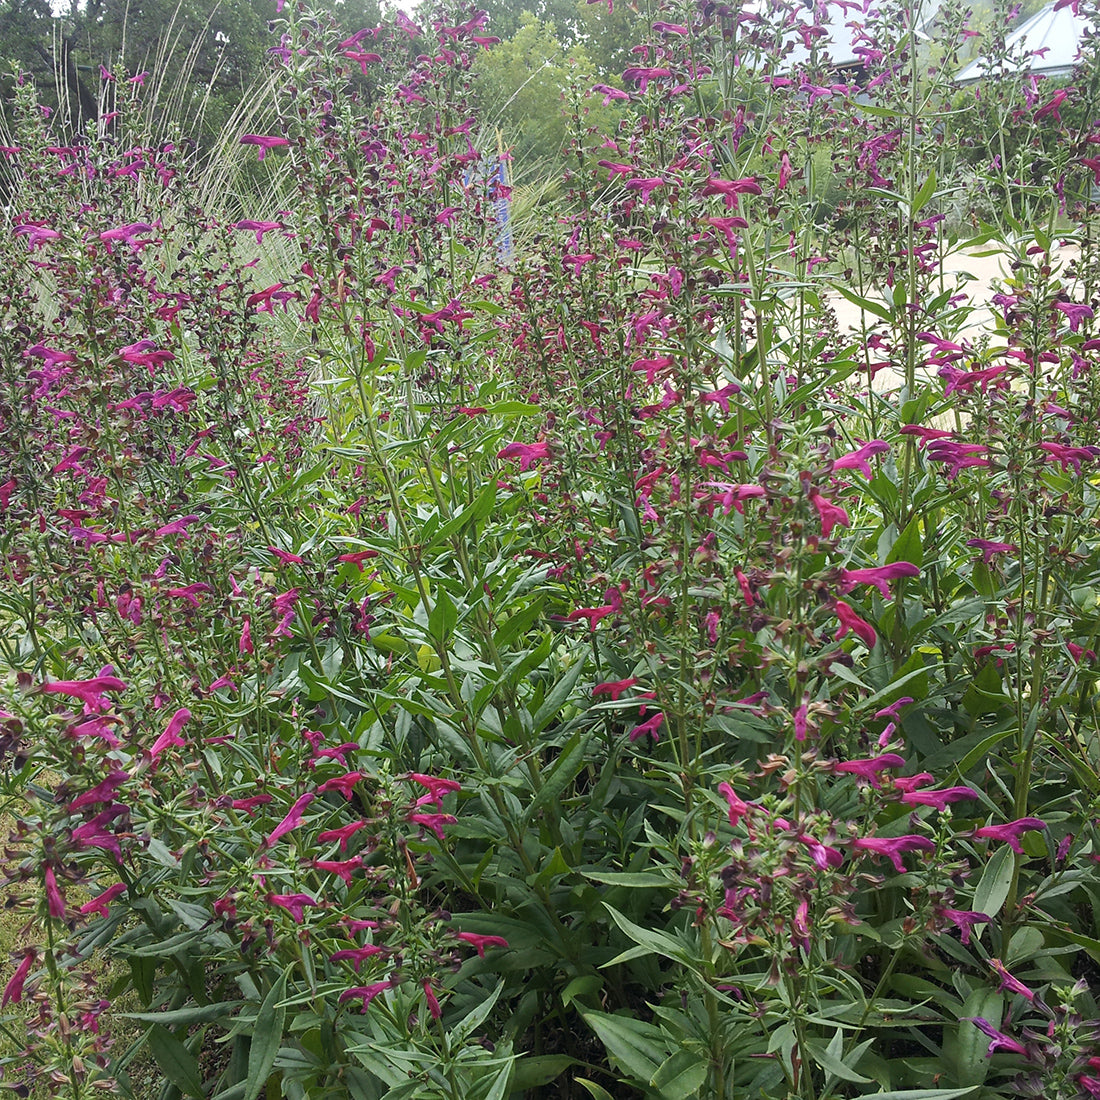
868 769
343 834
1008 982
1000 1041
433 1001
435 822
849 620
171 734
831 514
55 901
435 787
858 460
99 904
343 869
650 726
989 548
822 855
730 189
481 942
88 691
653 367
259 228
527 453
245 644
292 820
877 575
614 688
893 846
294 904
737 807
345 783
365 993
264 142
357 955
249 805
938 799
13 991
964 920
1010 832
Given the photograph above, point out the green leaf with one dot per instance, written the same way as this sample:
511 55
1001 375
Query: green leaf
651 941
680 1076
538 1070
920 1094
180 1066
267 1037
597 1092
630 879
559 693
909 545
472 1020
198 1014
831 1059
996 879
922 197
444 617
562 772
630 1042
876 308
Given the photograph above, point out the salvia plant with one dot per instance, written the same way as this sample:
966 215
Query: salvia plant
438 664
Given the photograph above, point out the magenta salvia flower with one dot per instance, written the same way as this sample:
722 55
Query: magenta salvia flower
614 688
294 904
435 822
55 900
88 691
822 855
259 228
989 548
527 453
343 868
481 942
1010 831
737 808
653 367
1070 456
365 993
345 784
831 514
868 769
938 799
171 734
731 189
264 142
1000 1041
849 620
432 999
964 920
877 575
642 76
650 726
13 991
1075 313
99 904
1008 982
357 955
436 787
343 834
292 820
893 847
859 459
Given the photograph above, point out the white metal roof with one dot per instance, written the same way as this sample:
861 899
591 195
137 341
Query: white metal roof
1047 43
